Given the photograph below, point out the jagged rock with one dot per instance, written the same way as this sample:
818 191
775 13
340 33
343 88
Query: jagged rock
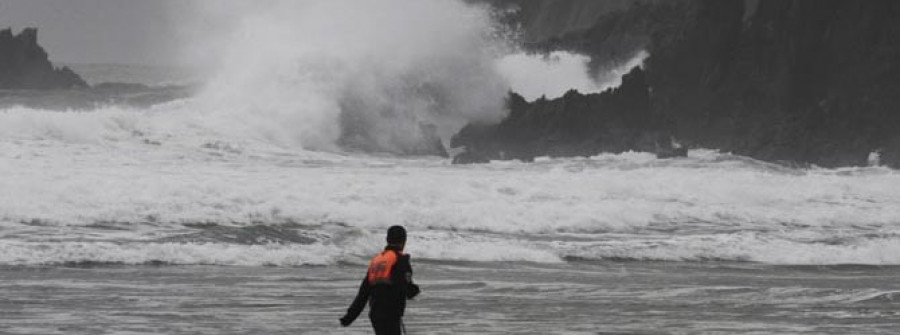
25 65
801 81
546 20
616 120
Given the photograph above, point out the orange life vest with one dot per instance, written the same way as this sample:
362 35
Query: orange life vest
380 267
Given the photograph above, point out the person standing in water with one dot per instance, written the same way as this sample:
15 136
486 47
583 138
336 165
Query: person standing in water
387 286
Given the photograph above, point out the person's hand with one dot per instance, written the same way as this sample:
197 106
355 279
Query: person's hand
412 291
345 321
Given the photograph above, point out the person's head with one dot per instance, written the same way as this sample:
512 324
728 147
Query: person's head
396 237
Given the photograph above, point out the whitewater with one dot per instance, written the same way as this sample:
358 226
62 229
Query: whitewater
115 221
252 206
129 197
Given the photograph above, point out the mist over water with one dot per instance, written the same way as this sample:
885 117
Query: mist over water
552 75
271 186
379 76
335 76
392 76
262 166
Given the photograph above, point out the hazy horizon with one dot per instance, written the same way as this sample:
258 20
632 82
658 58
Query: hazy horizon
99 31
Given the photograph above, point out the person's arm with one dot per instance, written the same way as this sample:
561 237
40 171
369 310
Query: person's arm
412 290
359 303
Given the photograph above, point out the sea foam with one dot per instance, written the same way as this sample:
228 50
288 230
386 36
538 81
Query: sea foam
129 201
137 185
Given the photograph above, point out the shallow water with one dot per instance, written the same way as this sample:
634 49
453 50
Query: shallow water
458 298
210 215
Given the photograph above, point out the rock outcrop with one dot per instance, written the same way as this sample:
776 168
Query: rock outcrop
25 65
548 19
616 120
803 81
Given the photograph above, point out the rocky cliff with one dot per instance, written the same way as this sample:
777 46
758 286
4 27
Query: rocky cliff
617 120
548 19
803 81
25 65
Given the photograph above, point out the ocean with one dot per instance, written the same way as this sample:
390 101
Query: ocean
120 221
234 210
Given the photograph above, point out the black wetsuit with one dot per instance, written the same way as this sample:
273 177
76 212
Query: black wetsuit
387 302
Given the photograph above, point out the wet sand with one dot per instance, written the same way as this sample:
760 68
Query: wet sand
458 298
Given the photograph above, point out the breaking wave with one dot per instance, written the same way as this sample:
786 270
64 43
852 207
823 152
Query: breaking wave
238 206
333 76
552 75
362 75
257 170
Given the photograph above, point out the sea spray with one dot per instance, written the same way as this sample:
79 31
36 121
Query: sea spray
137 203
333 76
171 183
553 74
379 76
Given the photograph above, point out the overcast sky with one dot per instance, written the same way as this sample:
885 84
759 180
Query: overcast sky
99 31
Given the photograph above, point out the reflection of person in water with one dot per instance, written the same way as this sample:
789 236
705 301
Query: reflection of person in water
387 286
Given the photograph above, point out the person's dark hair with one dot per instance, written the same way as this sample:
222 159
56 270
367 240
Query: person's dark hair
396 235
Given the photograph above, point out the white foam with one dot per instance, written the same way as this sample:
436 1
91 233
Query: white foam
300 74
49 249
169 253
235 157
466 247
702 205
552 75
770 248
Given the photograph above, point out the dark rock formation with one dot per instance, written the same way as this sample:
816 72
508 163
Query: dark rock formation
27 78
617 120
804 81
24 64
611 32
549 19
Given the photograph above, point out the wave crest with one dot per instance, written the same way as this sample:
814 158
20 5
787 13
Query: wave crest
363 75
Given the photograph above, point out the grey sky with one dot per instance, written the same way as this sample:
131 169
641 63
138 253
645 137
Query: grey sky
99 31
